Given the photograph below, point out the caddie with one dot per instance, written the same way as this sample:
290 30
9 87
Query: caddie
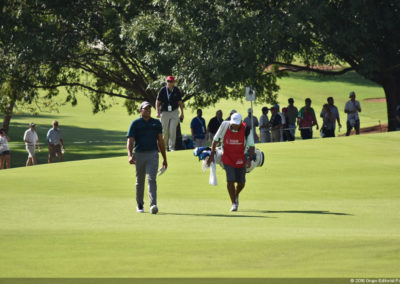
235 137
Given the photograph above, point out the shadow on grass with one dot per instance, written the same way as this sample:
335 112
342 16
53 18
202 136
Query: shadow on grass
233 215
318 212
80 143
350 78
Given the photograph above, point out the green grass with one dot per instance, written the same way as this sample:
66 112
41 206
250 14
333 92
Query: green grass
320 208
89 136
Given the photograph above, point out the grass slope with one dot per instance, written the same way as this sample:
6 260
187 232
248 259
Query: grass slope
320 208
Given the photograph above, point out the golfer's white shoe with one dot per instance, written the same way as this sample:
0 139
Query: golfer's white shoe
234 207
154 209
140 209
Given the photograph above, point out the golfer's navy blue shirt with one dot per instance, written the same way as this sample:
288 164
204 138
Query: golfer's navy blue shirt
145 134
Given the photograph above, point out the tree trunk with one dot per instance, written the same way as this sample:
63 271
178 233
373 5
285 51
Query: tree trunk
7 115
391 85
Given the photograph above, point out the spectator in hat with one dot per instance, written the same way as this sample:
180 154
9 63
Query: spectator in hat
252 121
168 101
4 150
352 108
145 137
292 114
275 124
214 124
198 128
333 112
235 137
31 142
306 120
264 126
55 142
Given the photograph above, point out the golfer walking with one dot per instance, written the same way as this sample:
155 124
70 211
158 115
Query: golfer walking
235 137
145 136
31 142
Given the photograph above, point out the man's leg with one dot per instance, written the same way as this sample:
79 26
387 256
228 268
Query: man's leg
2 160
51 153
140 176
348 128
34 160
165 117
151 171
8 161
357 127
59 153
231 191
173 124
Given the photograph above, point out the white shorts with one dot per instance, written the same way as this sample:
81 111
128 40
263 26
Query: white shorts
31 151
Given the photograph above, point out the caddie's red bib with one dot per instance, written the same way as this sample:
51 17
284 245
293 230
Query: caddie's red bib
234 147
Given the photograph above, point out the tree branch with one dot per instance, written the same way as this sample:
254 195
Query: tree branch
297 68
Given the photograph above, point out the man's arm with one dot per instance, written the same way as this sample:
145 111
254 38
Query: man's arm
181 107
158 103
161 147
129 147
358 106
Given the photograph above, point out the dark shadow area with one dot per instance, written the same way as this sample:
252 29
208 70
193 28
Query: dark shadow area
233 215
350 77
319 212
80 143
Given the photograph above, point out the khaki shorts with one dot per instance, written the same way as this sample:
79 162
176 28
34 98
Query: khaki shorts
31 151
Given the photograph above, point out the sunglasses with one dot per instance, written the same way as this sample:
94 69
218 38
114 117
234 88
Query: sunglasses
170 81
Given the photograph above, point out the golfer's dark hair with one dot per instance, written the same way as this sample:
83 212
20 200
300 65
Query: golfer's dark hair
308 100
264 109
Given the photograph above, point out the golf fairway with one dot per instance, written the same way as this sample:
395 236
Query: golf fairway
318 208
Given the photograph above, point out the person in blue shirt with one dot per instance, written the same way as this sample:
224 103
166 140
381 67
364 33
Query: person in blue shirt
198 127
145 137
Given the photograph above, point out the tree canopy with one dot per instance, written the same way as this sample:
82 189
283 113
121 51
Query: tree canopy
215 48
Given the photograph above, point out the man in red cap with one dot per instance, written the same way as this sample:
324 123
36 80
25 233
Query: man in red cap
168 100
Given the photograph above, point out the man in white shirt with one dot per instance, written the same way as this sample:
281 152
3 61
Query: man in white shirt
264 126
31 141
352 108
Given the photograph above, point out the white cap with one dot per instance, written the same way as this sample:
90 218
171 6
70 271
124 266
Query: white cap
236 118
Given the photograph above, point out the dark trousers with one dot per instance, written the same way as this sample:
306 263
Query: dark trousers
329 133
306 133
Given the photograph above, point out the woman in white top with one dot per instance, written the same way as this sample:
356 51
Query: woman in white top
4 149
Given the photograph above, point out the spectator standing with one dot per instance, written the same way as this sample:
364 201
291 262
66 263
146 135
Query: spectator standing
31 142
4 150
334 111
306 120
292 114
168 101
264 126
329 121
352 108
276 124
255 124
55 142
214 124
198 128
287 136
232 134
145 136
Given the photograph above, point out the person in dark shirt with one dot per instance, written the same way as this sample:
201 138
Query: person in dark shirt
276 124
168 101
214 124
145 136
198 128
